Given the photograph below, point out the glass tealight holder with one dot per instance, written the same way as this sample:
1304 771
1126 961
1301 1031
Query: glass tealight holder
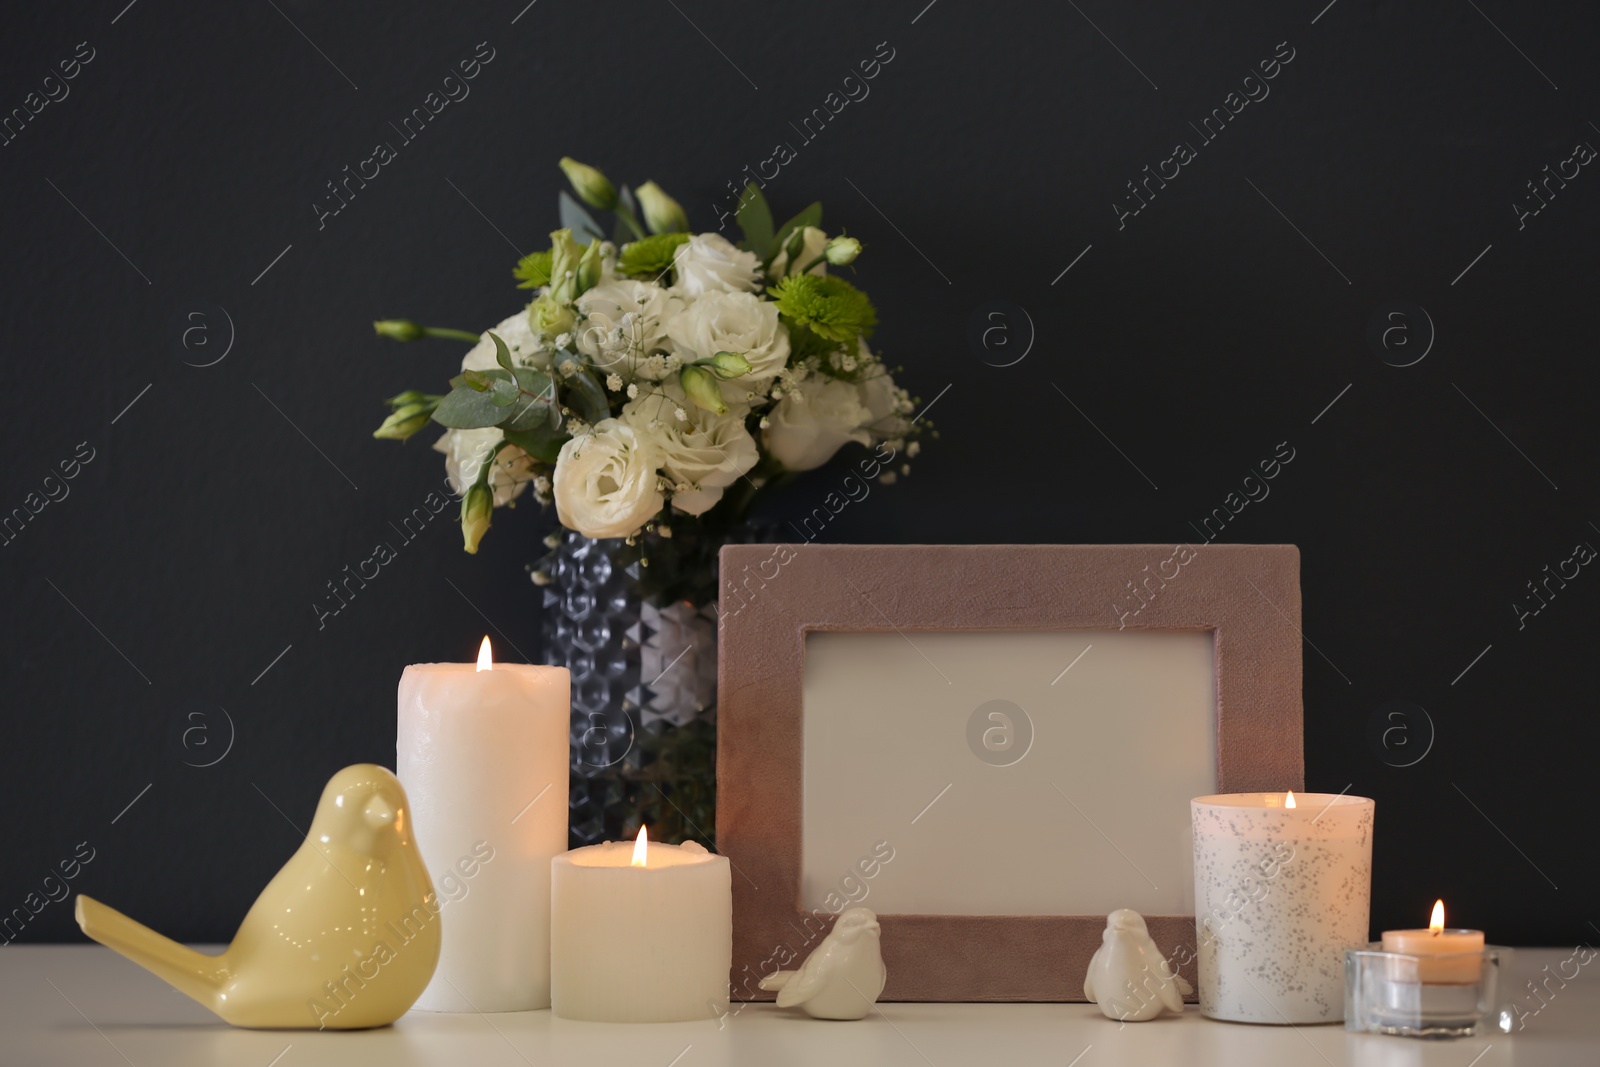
1451 995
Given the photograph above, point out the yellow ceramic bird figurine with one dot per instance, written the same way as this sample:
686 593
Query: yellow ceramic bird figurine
345 936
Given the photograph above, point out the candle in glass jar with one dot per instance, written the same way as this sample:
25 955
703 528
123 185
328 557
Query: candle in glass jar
1459 951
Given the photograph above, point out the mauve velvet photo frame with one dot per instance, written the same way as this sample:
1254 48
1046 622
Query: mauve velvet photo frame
776 597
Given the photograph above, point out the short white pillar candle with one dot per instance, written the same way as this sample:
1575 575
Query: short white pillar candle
1282 886
640 933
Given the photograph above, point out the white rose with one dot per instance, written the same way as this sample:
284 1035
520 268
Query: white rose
814 420
705 452
605 481
734 322
623 322
708 262
813 241
519 337
466 451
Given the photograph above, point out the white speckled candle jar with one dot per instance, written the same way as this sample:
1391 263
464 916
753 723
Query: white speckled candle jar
1279 893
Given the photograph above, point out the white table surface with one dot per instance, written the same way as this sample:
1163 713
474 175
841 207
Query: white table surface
85 1006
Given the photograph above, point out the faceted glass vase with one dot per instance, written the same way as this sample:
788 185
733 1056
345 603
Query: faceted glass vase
644 694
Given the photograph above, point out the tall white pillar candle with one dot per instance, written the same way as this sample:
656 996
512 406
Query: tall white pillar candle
640 944
482 753
1282 886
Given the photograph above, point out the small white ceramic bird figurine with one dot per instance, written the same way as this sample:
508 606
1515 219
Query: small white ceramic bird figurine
1128 977
345 936
843 977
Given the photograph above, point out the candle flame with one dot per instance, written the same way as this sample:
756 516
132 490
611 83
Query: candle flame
641 849
1436 923
485 657
1288 798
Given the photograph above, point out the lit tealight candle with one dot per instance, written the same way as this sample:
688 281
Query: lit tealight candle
1460 964
640 933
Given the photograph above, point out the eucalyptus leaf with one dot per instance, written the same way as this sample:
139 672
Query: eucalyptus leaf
531 414
584 394
755 219
466 408
580 222
502 354
476 380
536 406
542 443
504 393
591 399
533 380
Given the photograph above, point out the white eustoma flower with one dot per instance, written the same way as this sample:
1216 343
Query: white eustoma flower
623 322
814 420
605 483
466 451
886 402
813 241
734 322
701 454
517 333
709 262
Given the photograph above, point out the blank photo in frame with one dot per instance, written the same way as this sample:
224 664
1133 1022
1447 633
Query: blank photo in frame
991 746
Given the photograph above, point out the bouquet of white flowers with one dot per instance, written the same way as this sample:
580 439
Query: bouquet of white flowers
662 376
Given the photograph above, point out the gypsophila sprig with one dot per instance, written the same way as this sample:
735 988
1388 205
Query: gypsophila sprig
674 377
829 307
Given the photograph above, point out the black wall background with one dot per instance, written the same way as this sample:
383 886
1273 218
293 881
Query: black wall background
1210 328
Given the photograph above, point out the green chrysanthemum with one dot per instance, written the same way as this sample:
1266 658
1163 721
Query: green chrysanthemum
649 257
533 271
828 306
804 343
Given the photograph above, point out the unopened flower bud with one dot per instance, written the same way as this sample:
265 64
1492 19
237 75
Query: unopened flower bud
476 507
565 255
592 187
842 251
399 329
727 365
661 213
700 386
588 275
404 421
549 317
